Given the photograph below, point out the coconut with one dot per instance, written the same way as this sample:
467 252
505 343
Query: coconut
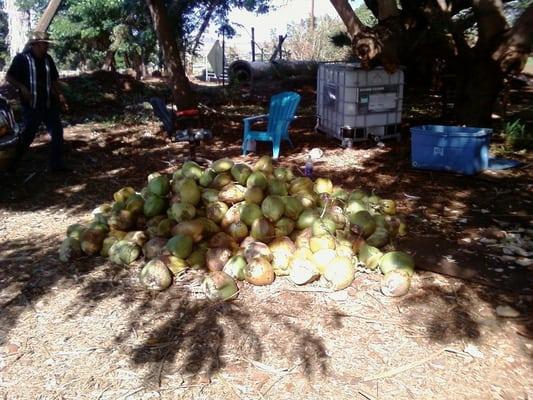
257 178
353 207
257 250
322 258
306 218
259 272
219 286
339 194
232 193
277 187
135 203
379 238
358 194
221 180
264 164
362 223
308 200
223 240
153 205
216 258
339 273
236 267
207 177
124 252
302 271
123 194
369 255
153 247
222 165
106 245
263 230
336 214
193 228
209 196
323 185
70 248
155 275
324 226
240 173
322 242
91 241
191 169
293 207
164 228
197 259
159 185
301 185
250 212
395 283
254 194
122 220
397 261
282 249
284 174
182 211
180 246
117 233
238 230
388 206
75 231
284 227
273 208
301 237
210 227
232 215
189 191
137 237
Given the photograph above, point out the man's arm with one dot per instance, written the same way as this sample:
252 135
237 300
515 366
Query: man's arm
24 91
56 91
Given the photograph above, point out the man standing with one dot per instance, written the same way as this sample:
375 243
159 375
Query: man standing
34 74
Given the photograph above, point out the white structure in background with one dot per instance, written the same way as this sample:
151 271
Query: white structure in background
215 58
18 23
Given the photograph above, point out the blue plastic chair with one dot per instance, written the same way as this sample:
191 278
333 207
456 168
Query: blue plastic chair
280 114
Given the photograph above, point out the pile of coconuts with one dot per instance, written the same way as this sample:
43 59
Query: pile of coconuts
238 222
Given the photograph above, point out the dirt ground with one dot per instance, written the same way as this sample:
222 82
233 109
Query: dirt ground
87 329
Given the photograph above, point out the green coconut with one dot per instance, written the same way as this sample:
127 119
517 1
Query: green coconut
284 227
123 194
153 205
159 185
221 180
301 185
358 194
155 275
257 249
284 174
369 255
124 252
232 193
106 245
293 207
194 228
91 241
189 191
257 178
197 259
122 220
322 258
301 237
264 164
180 246
277 187
379 238
219 286
273 208
209 196
232 215
397 261
321 242
263 230
236 267
302 270
238 230
207 177
182 211
191 169
323 185
306 218
210 227
250 212
137 237
135 203
395 283
216 258
75 231
69 249
282 249
362 223
388 206
222 165
215 211
353 207
164 228
240 173
254 194
223 240
323 226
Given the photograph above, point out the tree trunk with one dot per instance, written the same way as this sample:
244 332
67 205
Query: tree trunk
18 22
181 89
109 62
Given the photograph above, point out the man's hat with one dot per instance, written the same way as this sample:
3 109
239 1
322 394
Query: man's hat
38 36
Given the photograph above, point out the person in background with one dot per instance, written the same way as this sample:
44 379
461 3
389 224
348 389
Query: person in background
34 74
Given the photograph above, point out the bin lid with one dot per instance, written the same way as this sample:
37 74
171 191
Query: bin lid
449 130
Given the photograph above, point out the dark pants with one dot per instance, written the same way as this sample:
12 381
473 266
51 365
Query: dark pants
164 115
32 119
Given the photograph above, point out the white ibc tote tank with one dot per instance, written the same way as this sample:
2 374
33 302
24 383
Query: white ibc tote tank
353 103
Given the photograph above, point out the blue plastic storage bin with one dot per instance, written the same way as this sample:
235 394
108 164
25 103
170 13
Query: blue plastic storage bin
450 148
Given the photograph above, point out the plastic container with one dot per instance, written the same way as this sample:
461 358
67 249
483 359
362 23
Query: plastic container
464 150
366 101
